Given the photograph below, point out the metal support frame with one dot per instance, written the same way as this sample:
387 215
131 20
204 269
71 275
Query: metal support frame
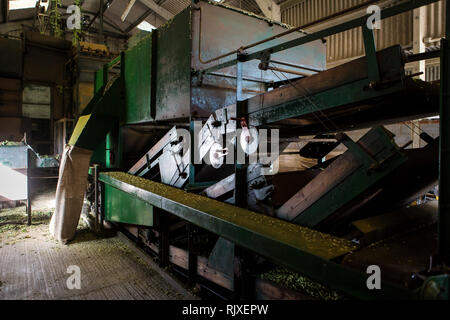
444 148
96 195
164 248
192 184
127 10
5 10
100 34
192 254
242 275
154 73
100 10
293 249
29 152
277 247
373 70
160 11
240 190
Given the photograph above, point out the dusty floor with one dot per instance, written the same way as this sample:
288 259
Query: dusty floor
34 266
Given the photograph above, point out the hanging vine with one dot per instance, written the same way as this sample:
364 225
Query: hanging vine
55 18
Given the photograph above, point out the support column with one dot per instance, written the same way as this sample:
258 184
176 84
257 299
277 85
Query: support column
419 26
100 33
192 255
29 186
164 249
243 280
444 151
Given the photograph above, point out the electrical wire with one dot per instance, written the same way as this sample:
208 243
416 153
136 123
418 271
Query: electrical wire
307 97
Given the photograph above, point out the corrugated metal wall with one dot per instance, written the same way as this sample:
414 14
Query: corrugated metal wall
349 44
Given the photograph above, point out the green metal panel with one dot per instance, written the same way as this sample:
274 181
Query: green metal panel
99 80
137 67
122 207
99 155
174 68
321 101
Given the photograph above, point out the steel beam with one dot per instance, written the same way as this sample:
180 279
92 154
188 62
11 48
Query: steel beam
162 12
102 9
5 5
127 10
139 20
100 34
444 150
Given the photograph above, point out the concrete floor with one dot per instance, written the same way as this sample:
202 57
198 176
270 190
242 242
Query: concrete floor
34 266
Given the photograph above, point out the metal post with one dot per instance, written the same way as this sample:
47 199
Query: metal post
240 191
100 33
444 151
192 256
373 71
243 282
96 196
28 187
163 237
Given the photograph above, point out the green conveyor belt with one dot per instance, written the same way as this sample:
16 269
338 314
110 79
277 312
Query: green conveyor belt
314 242
298 248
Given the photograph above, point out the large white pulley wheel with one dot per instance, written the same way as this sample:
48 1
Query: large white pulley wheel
216 155
249 140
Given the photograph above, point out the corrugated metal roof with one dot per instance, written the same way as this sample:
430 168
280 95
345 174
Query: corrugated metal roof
114 12
349 44
247 5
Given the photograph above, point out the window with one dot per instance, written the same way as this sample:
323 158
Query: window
144 25
21 4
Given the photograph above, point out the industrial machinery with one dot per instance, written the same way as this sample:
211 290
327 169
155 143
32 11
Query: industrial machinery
186 140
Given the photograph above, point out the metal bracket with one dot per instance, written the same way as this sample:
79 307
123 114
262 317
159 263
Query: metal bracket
373 69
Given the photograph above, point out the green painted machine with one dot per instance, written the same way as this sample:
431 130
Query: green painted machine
185 130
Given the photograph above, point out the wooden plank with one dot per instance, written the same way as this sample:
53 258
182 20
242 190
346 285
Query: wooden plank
127 10
179 257
158 9
335 173
156 149
324 182
266 290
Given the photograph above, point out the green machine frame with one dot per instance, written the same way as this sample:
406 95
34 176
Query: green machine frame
304 250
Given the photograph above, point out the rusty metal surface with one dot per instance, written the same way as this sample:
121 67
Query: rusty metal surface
216 30
173 74
224 30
